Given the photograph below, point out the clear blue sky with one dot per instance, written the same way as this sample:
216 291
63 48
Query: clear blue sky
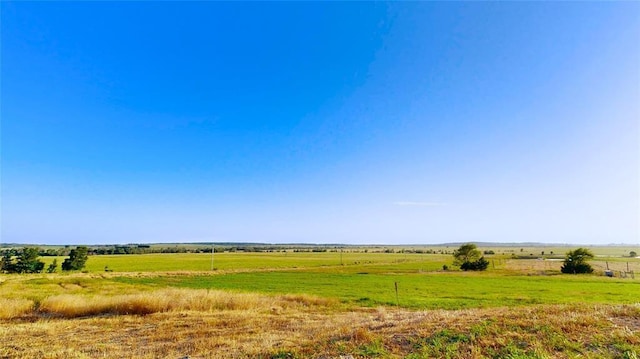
420 122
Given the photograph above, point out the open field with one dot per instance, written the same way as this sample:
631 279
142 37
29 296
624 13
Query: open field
327 304
162 262
249 261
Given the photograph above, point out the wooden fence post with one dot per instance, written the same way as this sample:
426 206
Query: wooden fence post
397 300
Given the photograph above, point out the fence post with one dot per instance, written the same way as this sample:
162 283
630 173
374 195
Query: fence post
397 300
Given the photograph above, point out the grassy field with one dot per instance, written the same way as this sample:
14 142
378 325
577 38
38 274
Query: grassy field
418 291
249 261
327 304
275 260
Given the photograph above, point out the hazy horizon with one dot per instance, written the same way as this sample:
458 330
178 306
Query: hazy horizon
395 123
328 244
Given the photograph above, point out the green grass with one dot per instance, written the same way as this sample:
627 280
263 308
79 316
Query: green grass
361 279
525 315
420 291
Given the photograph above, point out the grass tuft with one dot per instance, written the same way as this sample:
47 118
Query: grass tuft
13 308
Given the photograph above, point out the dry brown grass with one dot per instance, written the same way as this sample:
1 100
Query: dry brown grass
167 300
12 308
229 325
71 306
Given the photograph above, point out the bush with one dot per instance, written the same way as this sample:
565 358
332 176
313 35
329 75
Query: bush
575 262
480 264
576 268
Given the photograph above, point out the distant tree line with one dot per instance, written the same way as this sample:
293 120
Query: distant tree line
147 249
227 247
26 261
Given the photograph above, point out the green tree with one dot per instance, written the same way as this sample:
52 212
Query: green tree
6 263
468 257
466 253
633 254
28 261
53 266
77 259
576 261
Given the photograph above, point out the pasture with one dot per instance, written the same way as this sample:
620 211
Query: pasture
324 304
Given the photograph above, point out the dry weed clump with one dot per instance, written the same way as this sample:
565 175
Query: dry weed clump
12 308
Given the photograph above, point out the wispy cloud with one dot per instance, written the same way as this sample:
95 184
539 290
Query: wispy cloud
420 204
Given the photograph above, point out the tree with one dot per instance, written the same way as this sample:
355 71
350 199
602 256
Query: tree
28 261
468 257
77 259
576 261
633 254
6 263
466 253
53 266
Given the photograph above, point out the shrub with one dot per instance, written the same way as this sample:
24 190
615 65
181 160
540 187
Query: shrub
480 264
575 262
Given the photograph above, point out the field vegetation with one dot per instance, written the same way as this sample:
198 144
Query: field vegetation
324 305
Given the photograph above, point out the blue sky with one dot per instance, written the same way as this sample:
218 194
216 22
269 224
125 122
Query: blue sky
394 123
